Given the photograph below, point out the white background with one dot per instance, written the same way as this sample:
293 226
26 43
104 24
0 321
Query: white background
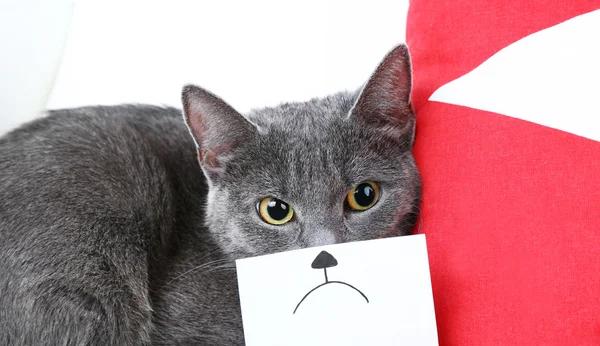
251 53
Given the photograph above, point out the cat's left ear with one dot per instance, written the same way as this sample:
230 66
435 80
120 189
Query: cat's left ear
384 102
218 129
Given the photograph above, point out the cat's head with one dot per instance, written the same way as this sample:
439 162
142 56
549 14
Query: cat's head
325 171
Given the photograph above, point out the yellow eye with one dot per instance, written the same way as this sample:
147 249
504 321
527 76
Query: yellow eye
274 211
363 196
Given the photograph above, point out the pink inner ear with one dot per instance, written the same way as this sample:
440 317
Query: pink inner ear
210 157
197 123
209 160
207 155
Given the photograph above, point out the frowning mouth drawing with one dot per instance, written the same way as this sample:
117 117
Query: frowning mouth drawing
323 261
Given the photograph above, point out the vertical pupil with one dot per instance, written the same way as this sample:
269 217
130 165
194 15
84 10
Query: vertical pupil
277 209
364 195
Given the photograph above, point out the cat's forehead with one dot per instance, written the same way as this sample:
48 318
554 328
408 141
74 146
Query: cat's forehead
310 146
302 119
304 148
310 137
304 155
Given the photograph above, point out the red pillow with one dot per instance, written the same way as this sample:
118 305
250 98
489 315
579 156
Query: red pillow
507 96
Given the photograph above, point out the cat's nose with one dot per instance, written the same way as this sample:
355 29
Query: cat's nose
320 237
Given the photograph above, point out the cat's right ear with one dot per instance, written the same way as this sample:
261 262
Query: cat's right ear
217 128
384 102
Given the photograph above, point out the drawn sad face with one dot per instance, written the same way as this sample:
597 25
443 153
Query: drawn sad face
323 261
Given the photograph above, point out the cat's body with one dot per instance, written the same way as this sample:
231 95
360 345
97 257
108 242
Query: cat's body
128 178
109 234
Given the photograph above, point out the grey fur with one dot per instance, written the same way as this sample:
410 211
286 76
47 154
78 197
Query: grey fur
110 234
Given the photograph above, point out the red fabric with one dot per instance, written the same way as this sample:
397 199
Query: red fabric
511 209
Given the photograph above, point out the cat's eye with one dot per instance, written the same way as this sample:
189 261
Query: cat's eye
363 196
274 211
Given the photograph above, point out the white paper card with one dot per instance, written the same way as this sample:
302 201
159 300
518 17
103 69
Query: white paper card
375 292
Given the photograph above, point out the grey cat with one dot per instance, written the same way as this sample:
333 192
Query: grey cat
111 233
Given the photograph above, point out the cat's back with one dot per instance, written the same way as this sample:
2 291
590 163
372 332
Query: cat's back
99 128
95 161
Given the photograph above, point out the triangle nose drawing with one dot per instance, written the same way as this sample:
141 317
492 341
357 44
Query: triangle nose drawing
324 260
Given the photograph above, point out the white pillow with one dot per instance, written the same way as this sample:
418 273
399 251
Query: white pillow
32 38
